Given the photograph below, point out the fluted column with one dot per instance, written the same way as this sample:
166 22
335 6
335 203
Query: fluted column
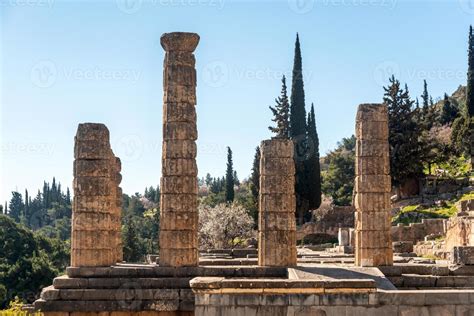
94 218
372 187
179 187
277 224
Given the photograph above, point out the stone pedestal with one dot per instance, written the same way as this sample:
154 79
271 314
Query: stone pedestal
372 188
277 225
179 187
96 227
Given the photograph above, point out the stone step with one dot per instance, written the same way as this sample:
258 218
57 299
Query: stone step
154 271
126 293
65 282
110 305
431 281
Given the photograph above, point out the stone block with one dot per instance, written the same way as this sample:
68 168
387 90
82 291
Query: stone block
183 239
179 131
463 255
375 183
273 221
369 202
170 257
179 184
402 246
179 149
174 93
278 202
179 42
278 184
179 202
373 221
371 130
179 166
92 186
178 220
277 166
372 148
92 168
180 75
372 165
372 112
277 147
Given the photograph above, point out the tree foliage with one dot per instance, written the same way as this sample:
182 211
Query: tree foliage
281 113
229 178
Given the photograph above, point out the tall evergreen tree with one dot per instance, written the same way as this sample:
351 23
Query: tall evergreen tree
298 134
405 160
16 206
68 196
470 95
313 168
229 178
281 113
26 212
1 209
448 112
132 249
255 181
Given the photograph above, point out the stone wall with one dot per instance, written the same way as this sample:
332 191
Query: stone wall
96 225
328 221
277 224
179 187
373 245
459 232
417 231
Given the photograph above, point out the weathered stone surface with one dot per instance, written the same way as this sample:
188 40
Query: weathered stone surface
373 244
402 246
277 225
463 255
96 225
179 188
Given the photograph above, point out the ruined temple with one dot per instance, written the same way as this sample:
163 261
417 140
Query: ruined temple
284 280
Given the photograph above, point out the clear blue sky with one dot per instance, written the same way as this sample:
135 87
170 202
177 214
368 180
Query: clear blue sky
67 62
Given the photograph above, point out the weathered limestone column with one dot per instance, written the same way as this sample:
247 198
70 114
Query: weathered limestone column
277 224
117 177
179 187
95 221
372 188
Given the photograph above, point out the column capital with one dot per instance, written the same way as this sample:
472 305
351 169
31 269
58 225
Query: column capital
179 41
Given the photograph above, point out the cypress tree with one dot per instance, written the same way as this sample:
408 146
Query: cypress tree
313 167
26 213
470 95
470 75
229 178
281 113
16 206
255 182
298 134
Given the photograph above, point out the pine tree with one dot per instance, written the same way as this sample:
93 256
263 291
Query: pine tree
5 209
298 134
157 194
68 196
26 213
281 113
16 206
1 209
229 178
404 134
313 168
131 244
448 112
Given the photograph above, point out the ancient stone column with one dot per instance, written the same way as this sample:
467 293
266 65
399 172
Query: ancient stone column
95 215
277 224
179 187
372 188
117 177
